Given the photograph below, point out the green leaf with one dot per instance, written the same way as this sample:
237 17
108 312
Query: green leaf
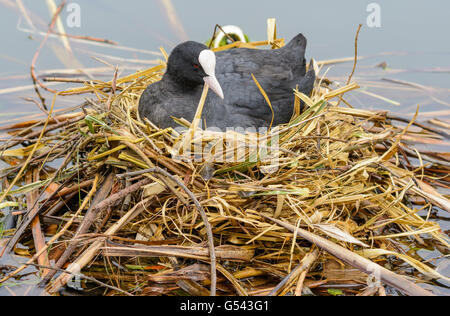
91 119
134 267
335 292
90 125
8 204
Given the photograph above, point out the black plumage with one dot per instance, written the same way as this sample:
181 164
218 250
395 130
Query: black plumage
278 71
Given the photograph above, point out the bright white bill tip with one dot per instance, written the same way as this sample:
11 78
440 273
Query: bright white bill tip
214 85
207 59
230 30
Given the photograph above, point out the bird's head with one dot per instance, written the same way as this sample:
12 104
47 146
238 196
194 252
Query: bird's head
192 63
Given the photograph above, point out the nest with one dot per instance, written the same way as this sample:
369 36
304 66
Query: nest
137 209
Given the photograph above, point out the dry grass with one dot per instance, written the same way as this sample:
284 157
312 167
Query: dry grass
344 174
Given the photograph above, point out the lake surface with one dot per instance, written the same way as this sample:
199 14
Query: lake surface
412 40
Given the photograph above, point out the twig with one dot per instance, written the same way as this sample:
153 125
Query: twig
427 128
87 38
355 61
32 135
304 266
87 222
199 209
237 286
34 211
66 80
356 55
119 196
36 55
92 251
19 174
425 157
357 261
34 161
300 282
83 277
38 236
73 189
59 205
56 237
215 35
41 107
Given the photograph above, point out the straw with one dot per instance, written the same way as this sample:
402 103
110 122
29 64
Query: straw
348 176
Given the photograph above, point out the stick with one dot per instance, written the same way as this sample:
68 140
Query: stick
117 197
92 251
356 55
87 38
304 266
38 236
215 35
355 61
357 261
56 237
73 189
427 128
36 55
45 131
34 211
83 277
87 222
199 209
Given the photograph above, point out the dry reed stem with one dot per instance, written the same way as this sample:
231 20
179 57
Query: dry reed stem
334 176
361 263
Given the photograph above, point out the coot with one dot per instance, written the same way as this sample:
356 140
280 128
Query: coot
237 101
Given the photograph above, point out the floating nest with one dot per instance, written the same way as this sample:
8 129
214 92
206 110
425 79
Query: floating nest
137 209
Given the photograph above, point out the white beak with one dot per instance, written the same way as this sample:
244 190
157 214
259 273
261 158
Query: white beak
214 85
207 59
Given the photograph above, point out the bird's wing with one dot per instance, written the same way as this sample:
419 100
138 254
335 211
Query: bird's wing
287 63
241 63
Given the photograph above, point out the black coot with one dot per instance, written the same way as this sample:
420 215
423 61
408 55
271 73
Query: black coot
237 101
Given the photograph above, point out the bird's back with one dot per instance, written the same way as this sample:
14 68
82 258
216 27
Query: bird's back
286 63
278 71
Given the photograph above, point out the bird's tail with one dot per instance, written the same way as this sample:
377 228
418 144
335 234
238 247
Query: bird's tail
298 43
295 52
306 84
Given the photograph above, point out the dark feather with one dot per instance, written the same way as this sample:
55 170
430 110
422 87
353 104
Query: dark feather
278 71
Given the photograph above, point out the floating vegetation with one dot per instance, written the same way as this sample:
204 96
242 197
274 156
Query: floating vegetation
342 210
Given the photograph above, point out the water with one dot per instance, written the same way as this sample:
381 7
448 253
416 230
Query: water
412 40
412 36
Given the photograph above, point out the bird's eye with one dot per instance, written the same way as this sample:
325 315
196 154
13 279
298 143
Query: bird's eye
196 66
